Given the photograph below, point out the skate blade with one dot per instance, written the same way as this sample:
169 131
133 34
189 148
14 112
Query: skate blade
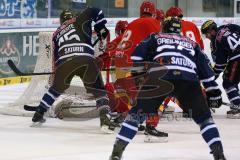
114 158
105 129
38 124
233 116
154 139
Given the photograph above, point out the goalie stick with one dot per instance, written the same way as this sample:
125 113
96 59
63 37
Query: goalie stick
33 108
20 73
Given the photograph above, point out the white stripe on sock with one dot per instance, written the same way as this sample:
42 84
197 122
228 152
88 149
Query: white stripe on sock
45 103
207 128
130 126
214 140
124 138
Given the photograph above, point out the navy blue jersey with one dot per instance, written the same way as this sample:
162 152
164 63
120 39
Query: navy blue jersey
180 56
226 46
73 37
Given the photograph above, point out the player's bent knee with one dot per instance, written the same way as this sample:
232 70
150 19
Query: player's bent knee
203 119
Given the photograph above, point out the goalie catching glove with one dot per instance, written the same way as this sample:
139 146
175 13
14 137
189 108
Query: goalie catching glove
214 98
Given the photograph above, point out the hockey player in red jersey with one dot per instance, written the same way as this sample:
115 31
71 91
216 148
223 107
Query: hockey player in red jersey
120 28
189 29
117 104
160 15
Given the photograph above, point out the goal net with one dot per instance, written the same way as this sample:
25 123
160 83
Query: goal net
82 104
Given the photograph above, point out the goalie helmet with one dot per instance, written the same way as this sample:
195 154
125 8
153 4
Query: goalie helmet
147 7
159 14
120 27
171 25
174 12
208 25
66 15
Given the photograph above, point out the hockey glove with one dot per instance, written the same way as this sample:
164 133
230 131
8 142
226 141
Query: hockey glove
103 33
214 98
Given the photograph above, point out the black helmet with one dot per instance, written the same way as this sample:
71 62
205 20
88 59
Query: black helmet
208 25
171 25
65 15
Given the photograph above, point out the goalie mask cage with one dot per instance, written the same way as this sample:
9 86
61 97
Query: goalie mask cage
83 104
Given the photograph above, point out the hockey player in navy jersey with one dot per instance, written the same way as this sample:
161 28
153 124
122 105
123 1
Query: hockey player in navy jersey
74 55
225 44
173 65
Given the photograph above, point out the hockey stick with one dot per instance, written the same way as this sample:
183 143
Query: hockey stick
19 73
224 103
96 41
29 108
227 104
34 108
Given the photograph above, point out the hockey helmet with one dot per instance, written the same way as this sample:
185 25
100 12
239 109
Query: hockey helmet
147 7
171 25
120 27
174 12
159 14
66 15
208 25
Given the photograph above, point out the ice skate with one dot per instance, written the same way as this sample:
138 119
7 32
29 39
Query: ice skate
152 135
141 128
38 118
234 113
107 126
118 149
218 153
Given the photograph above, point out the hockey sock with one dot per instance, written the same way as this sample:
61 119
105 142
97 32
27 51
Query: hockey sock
130 126
233 95
210 133
49 98
128 131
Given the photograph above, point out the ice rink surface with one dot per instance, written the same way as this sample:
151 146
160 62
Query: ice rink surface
82 140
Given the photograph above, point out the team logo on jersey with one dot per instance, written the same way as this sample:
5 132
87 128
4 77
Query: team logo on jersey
8 51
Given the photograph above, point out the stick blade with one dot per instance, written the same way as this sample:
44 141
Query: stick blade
29 108
14 68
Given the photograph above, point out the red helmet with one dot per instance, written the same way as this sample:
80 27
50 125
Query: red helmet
147 7
159 14
174 12
120 27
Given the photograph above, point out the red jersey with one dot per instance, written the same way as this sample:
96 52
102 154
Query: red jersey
191 31
136 31
112 46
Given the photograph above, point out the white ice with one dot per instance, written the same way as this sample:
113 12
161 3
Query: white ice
82 140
